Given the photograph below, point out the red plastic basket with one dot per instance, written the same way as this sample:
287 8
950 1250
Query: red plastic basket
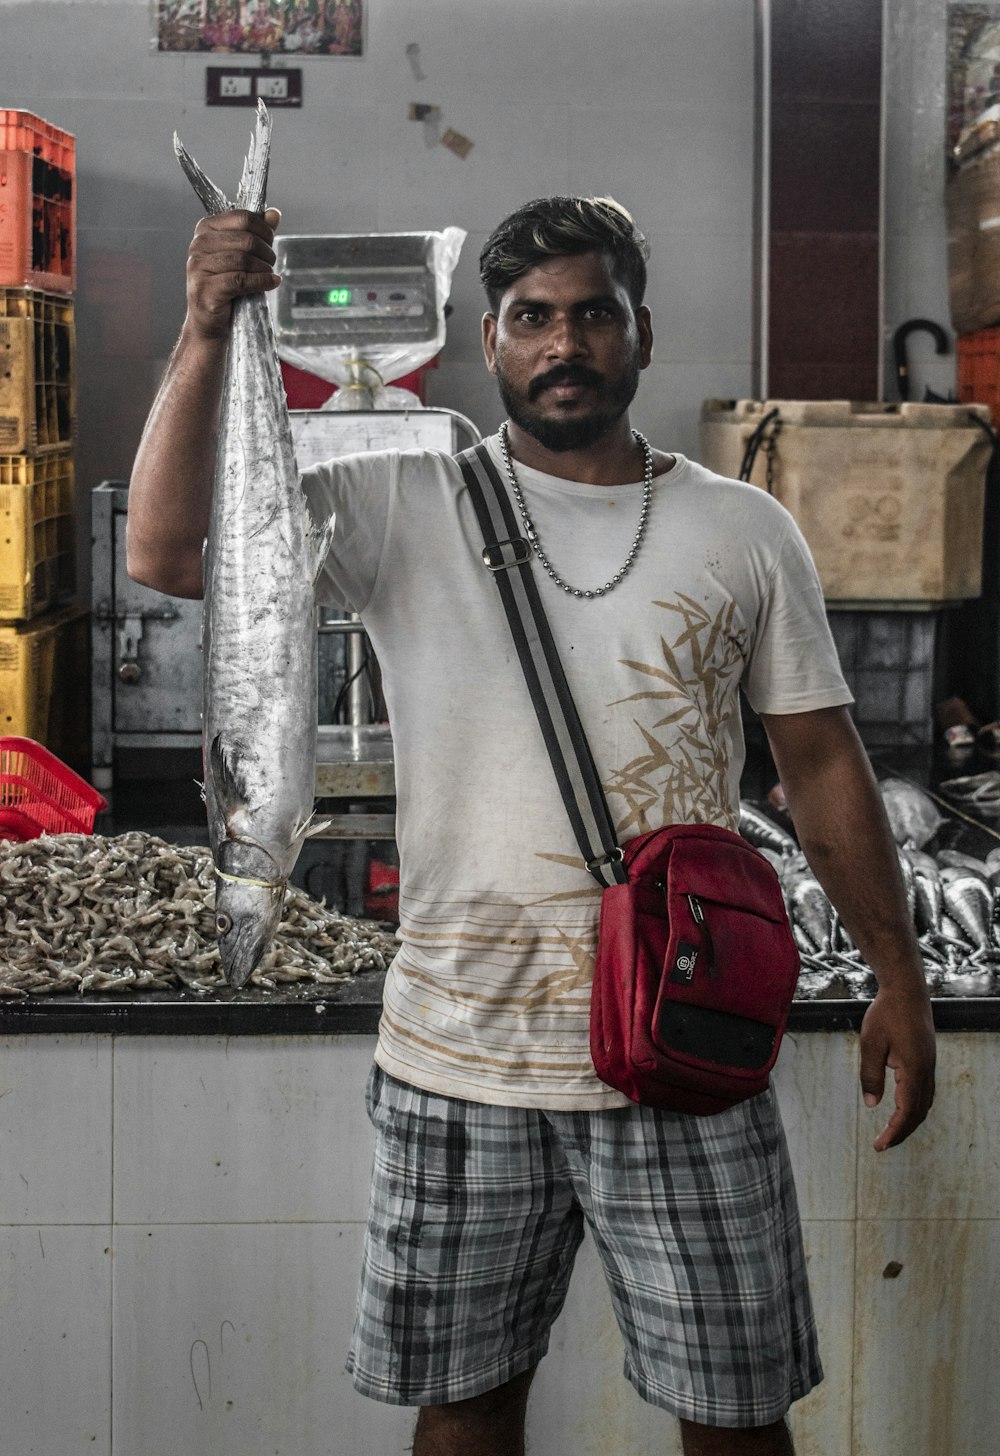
40 795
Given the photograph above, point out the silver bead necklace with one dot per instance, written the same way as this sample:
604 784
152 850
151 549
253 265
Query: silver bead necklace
532 534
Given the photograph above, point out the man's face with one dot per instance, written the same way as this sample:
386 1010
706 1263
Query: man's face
566 347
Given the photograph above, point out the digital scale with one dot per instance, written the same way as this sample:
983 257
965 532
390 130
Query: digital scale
359 309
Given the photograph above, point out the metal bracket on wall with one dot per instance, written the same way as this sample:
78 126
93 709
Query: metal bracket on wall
130 633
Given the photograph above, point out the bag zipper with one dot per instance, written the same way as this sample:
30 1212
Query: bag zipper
699 919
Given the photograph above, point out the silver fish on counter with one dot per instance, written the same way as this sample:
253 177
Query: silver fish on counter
762 832
953 898
811 912
261 560
928 892
914 818
968 899
955 857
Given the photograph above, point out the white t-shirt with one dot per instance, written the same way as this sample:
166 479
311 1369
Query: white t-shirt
488 997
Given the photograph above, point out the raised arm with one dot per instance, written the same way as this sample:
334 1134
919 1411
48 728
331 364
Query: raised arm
842 827
170 490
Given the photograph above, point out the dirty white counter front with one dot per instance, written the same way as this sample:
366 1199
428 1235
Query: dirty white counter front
181 1219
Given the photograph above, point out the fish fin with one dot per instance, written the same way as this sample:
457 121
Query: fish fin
230 789
253 183
321 540
306 828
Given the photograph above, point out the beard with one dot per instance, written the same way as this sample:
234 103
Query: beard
612 400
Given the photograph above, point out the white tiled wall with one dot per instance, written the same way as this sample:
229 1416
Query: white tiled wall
269 1130
230 1338
180 1230
55 1337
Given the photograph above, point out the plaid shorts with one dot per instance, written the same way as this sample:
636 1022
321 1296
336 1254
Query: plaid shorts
477 1213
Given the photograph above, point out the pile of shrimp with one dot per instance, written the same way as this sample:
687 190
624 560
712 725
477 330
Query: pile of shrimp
132 913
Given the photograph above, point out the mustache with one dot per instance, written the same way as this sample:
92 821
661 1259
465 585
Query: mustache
563 374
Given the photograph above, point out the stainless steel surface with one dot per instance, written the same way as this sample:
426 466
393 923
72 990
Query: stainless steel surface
354 761
341 627
358 826
359 667
327 434
146 659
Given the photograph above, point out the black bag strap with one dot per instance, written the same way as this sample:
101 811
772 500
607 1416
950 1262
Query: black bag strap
508 556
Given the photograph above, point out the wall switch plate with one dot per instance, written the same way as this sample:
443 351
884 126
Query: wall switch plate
242 85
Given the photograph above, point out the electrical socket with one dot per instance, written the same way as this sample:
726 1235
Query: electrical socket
232 85
272 86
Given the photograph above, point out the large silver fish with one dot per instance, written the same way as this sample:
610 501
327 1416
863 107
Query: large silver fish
261 560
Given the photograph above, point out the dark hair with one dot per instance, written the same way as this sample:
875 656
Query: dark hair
560 227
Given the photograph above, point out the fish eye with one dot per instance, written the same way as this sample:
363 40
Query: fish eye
223 923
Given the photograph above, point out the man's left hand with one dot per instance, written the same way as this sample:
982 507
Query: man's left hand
898 1032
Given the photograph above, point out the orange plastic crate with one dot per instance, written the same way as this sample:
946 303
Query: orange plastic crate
979 369
37 203
39 794
23 131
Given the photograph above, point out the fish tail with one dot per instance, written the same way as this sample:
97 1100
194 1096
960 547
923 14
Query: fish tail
210 196
253 183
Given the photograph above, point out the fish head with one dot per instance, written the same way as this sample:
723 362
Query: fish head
249 894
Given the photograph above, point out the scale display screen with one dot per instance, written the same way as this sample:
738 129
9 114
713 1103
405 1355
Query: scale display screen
359 300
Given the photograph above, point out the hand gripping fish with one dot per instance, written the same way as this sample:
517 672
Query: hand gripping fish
262 557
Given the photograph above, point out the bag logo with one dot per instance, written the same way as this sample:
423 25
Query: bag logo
685 962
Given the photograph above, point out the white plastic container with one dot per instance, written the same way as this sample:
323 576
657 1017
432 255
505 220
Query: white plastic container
889 497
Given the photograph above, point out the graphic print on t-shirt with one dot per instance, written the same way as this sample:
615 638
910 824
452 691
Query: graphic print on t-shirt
681 773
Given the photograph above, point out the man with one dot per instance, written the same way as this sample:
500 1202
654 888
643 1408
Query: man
667 589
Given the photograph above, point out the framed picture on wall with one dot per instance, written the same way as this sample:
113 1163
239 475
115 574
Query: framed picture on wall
275 27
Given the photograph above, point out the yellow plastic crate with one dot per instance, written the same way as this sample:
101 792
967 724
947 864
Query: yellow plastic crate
37 375
39 664
36 533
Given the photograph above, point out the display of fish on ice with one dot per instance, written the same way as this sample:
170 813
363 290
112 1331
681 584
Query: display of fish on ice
953 897
262 557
